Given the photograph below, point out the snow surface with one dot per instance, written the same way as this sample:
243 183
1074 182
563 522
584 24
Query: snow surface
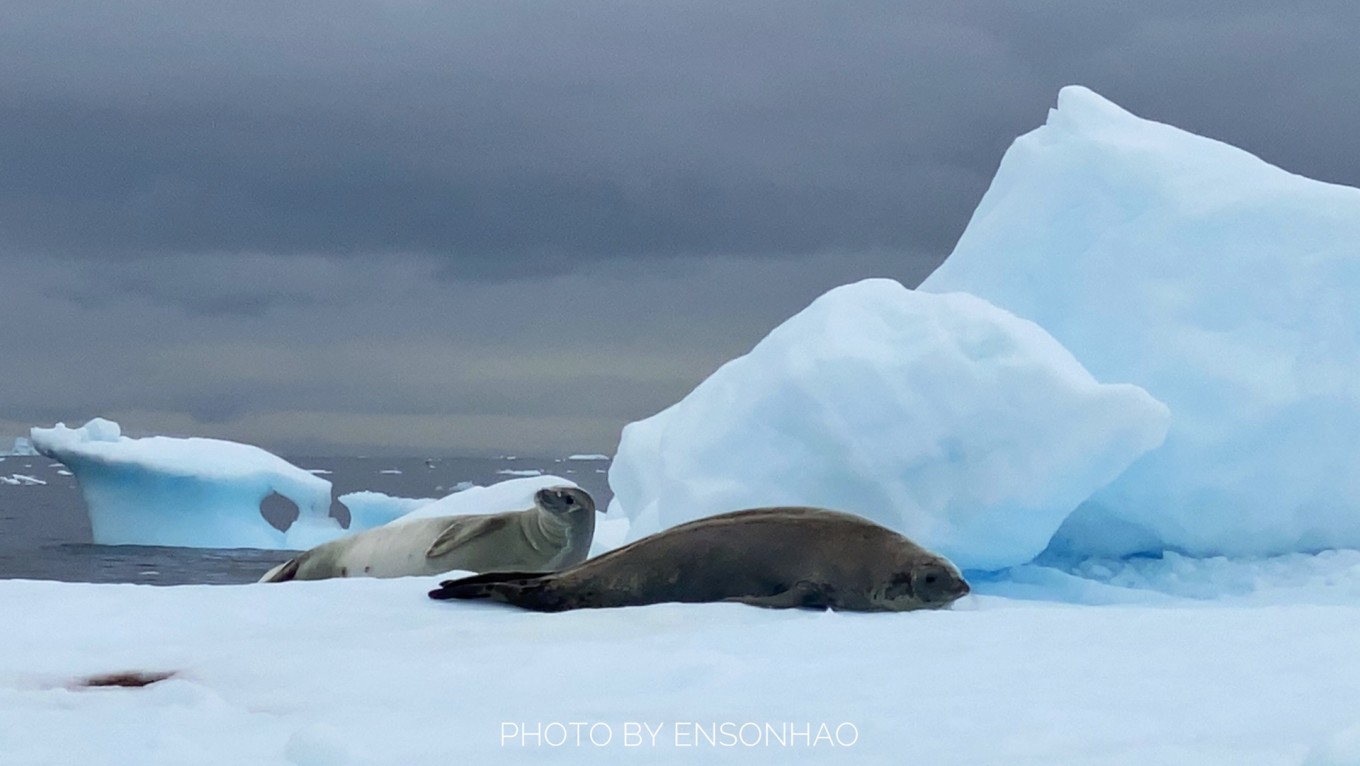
370 672
966 428
1224 286
192 492
1340 749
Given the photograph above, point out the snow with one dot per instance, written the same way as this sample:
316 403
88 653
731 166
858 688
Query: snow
966 428
1224 286
1340 749
611 531
371 672
191 492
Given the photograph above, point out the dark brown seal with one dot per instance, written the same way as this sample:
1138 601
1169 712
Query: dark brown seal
773 557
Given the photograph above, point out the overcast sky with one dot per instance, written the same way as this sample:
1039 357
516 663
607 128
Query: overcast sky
463 228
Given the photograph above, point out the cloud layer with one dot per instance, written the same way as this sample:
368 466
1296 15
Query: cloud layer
466 227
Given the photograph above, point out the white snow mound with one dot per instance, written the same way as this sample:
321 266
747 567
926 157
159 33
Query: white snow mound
966 428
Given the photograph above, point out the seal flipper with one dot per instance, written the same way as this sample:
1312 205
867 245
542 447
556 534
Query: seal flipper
804 594
283 572
463 530
527 590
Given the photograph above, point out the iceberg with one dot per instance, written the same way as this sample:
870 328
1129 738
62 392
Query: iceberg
368 509
191 492
955 422
22 448
1225 287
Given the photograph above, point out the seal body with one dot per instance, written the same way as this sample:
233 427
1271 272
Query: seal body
773 557
553 534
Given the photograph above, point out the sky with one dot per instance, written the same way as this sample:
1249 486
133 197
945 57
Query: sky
465 228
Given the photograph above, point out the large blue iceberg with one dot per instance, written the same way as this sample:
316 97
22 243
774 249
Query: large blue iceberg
1225 286
1108 248
956 422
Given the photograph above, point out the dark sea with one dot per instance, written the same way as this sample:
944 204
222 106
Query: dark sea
45 531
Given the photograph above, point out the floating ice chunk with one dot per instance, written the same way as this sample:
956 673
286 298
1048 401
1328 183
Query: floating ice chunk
373 509
591 456
309 532
183 492
523 472
942 416
1224 286
22 447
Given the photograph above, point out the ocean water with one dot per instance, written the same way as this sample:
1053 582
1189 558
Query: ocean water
45 532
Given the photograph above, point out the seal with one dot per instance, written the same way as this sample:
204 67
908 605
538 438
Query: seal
771 557
554 534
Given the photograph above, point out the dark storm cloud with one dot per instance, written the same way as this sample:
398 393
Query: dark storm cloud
461 226
495 133
385 358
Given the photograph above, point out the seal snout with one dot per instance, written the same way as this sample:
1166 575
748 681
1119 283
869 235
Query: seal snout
958 588
939 584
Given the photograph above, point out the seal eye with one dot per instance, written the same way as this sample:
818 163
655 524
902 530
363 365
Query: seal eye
933 586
